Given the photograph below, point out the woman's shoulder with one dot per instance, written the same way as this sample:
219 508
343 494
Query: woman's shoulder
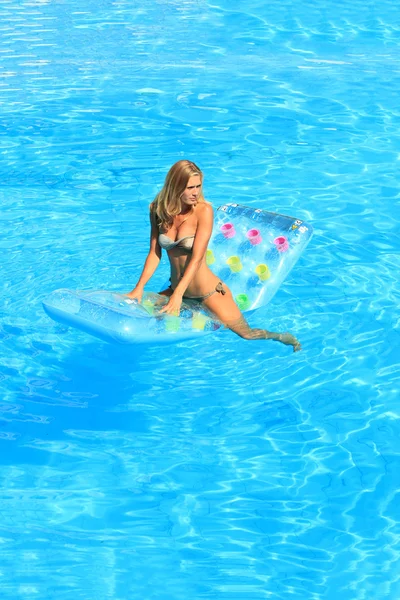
204 207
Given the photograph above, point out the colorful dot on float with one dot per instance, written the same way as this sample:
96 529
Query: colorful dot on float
172 323
263 272
228 230
234 264
210 258
199 321
243 301
254 237
281 243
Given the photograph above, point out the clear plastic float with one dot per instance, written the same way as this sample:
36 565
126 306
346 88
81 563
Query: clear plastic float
251 250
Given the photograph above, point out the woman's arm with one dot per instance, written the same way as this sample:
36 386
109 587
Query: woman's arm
152 260
202 237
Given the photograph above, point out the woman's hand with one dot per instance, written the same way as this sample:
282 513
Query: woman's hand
173 305
136 294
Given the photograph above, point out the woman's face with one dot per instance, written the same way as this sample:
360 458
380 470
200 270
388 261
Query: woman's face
192 192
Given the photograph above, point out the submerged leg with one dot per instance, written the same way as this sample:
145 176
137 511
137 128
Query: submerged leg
226 310
243 329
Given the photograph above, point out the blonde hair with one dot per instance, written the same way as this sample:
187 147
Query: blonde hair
167 204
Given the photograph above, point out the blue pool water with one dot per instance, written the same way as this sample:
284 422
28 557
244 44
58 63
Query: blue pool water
225 469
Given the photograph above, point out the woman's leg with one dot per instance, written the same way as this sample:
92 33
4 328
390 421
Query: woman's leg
168 292
226 310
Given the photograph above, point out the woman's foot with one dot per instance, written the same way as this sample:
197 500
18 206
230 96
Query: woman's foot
289 340
286 338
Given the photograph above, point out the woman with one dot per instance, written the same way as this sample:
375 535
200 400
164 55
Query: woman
181 223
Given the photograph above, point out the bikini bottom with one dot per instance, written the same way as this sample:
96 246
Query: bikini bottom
219 288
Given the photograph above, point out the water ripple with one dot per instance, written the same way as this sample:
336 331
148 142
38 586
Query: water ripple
228 469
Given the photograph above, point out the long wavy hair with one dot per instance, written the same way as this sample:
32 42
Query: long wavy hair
167 204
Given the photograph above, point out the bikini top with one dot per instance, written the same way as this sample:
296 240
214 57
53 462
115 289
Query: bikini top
186 243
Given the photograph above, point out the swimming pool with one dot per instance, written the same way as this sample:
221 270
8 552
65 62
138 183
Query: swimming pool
227 469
